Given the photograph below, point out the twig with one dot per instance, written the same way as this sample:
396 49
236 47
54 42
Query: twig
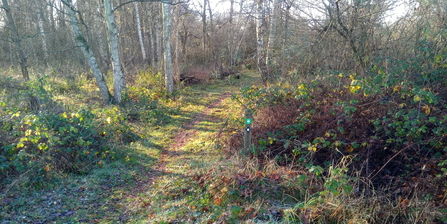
235 97
222 129
400 151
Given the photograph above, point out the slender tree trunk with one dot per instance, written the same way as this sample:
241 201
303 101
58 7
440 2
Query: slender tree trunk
42 34
204 27
119 83
272 37
53 24
210 38
169 81
158 31
16 40
177 42
152 40
140 35
231 35
285 41
237 39
260 33
88 54
61 15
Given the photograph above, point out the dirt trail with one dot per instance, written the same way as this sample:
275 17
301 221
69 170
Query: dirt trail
181 138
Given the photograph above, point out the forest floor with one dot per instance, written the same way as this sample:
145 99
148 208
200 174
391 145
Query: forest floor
180 161
160 179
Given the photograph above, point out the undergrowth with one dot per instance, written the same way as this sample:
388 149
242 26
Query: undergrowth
358 143
336 149
53 135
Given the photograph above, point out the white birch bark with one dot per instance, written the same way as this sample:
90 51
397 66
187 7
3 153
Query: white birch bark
88 54
119 83
204 26
260 33
140 35
231 35
42 35
176 19
158 31
169 81
51 7
272 36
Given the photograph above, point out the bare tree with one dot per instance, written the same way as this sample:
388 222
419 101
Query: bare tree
88 54
16 39
169 81
158 31
42 34
119 83
272 36
152 53
355 22
140 35
204 28
260 35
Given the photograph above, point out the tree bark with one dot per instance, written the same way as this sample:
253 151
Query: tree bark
169 81
88 54
140 35
231 35
151 39
119 83
152 42
158 31
17 41
204 26
42 35
260 33
272 37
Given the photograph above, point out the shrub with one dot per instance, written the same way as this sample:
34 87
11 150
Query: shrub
389 129
43 143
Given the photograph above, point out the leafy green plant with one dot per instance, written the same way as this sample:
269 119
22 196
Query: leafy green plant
45 143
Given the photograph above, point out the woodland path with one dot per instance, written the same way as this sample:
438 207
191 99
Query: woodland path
161 177
187 133
173 190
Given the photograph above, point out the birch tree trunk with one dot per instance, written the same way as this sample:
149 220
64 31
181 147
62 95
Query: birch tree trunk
231 35
285 41
260 33
169 81
119 83
158 31
210 38
238 39
272 37
152 42
204 27
88 54
53 24
140 35
176 20
16 40
42 34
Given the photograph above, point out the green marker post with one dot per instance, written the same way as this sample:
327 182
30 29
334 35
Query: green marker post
247 129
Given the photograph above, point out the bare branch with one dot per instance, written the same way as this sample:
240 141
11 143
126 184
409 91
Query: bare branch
162 1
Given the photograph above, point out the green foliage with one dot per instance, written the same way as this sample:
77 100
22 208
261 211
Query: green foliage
370 119
258 97
148 84
145 96
337 182
46 142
